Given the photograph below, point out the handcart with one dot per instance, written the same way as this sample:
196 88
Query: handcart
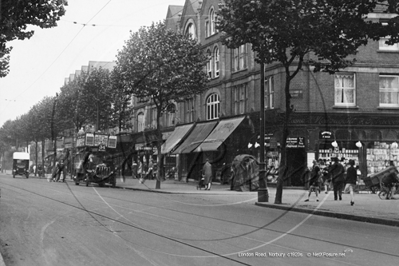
373 182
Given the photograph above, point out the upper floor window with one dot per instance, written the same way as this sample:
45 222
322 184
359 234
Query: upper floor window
191 30
212 106
216 61
153 117
169 115
190 110
269 92
344 90
140 122
240 98
240 58
209 64
389 91
212 19
382 46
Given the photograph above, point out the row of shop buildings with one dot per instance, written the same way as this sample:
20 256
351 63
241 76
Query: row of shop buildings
351 114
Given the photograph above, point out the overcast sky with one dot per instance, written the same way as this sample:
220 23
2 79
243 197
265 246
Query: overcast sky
40 65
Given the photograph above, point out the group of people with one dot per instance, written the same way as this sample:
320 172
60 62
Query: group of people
337 175
142 172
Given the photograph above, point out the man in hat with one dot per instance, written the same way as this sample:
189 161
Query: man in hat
337 171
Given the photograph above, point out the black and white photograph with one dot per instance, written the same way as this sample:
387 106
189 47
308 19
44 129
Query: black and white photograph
199 132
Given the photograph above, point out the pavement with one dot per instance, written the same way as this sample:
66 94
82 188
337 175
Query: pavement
368 207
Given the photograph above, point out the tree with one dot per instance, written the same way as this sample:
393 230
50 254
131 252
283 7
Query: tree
323 34
95 100
15 16
164 66
121 109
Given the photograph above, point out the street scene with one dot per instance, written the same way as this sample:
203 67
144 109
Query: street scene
229 132
47 223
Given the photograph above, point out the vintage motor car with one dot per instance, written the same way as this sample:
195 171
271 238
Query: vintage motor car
20 165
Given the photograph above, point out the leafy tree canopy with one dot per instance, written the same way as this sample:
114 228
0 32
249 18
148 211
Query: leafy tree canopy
16 15
162 64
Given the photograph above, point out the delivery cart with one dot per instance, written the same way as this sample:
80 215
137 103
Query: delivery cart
373 182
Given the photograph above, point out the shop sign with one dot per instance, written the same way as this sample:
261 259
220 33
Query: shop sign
295 142
80 141
326 135
112 141
89 139
100 139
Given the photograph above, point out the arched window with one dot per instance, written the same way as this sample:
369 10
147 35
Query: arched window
191 30
216 61
209 64
140 122
212 106
212 21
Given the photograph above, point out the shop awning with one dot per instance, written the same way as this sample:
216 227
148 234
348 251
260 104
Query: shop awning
197 135
178 134
221 132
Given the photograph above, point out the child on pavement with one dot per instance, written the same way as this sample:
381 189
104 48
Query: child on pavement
314 180
351 178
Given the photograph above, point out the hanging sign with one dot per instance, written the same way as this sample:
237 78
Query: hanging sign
89 139
326 135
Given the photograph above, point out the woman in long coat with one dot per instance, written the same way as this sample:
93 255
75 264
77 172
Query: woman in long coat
207 174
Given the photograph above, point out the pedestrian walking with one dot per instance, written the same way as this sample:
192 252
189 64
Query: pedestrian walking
149 173
207 174
314 181
134 169
337 171
351 178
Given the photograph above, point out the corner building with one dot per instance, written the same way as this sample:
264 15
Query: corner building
352 114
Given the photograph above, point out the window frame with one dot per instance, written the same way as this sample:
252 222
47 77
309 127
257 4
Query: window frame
240 99
216 62
190 24
140 124
343 89
190 110
209 64
212 106
239 58
269 92
388 90
212 21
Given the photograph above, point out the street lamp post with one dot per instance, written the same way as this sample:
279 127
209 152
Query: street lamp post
263 194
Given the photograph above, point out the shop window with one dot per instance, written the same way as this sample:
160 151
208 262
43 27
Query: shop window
345 90
240 98
212 107
380 155
140 122
389 91
239 58
269 92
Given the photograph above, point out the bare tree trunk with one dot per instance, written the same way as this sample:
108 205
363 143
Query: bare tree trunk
283 169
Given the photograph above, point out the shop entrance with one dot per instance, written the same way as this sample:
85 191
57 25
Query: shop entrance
297 163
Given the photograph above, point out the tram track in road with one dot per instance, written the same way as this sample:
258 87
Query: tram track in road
182 241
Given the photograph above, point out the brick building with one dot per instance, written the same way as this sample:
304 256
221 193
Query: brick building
351 114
